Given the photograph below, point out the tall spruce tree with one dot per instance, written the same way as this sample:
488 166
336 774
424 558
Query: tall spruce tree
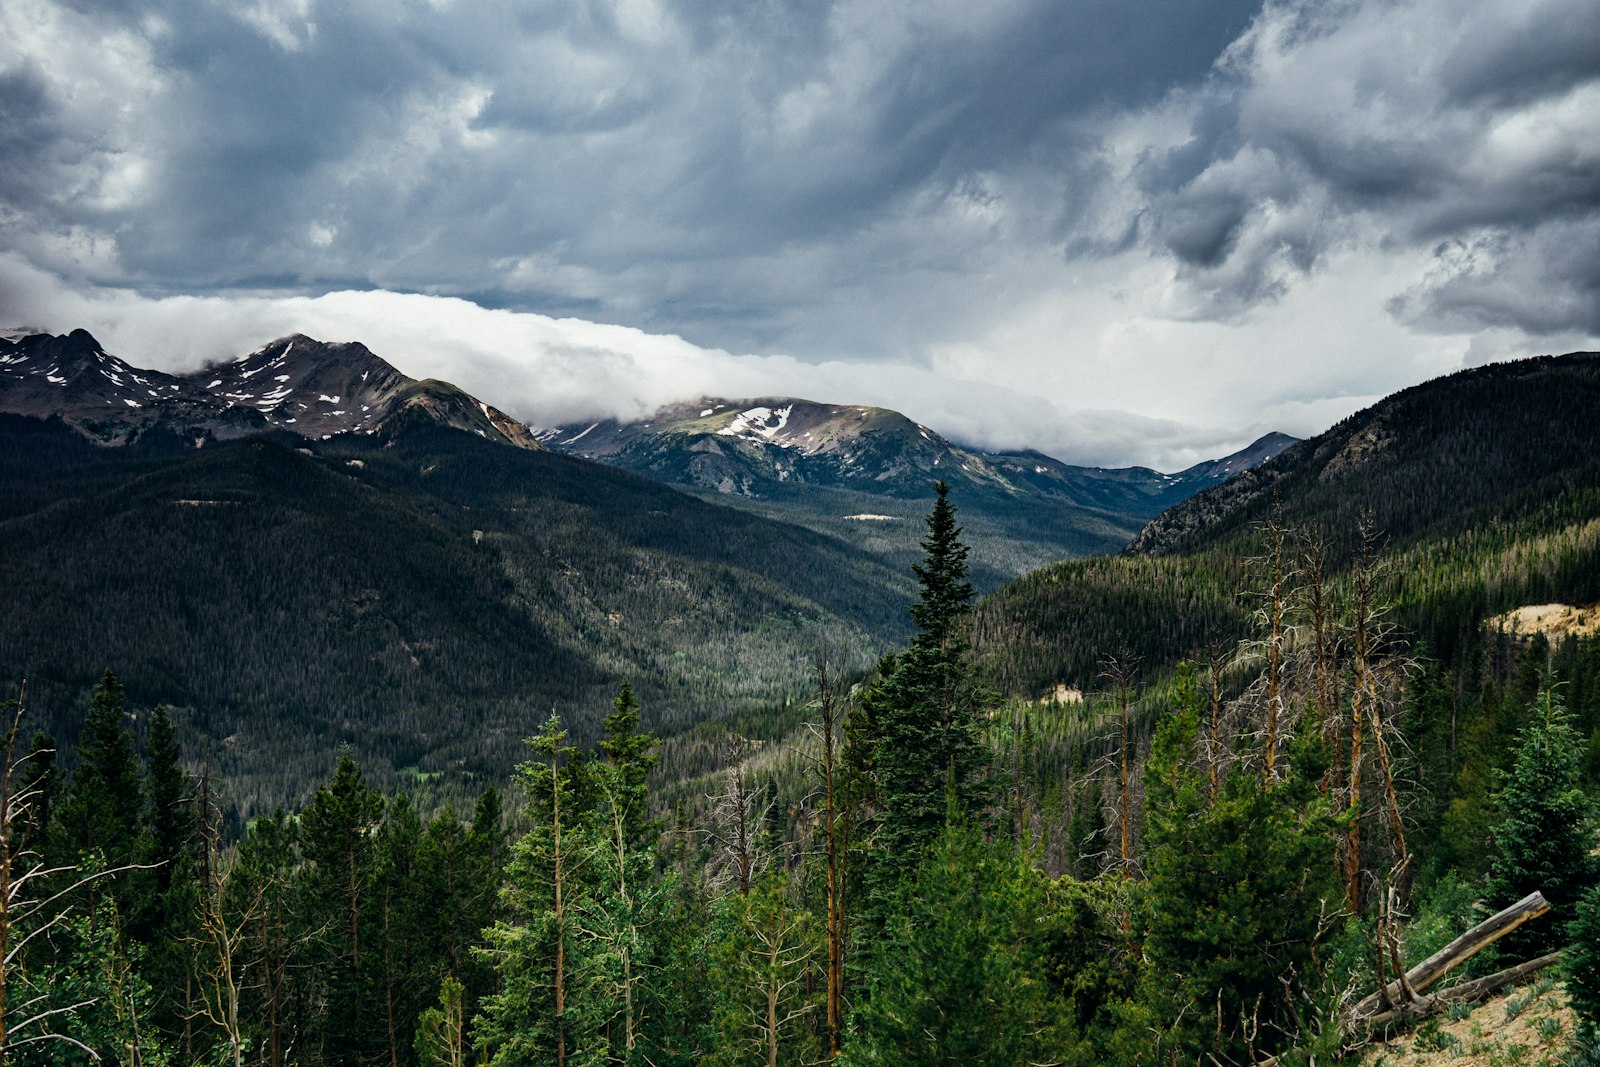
963 974
546 1010
922 716
171 816
104 807
337 838
1237 884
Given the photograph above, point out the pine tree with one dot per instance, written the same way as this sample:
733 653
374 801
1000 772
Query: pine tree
171 818
923 716
962 976
1583 964
441 1032
104 808
278 950
1237 885
336 836
401 929
761 970
166 917
620 912
633 755
1544 839
544 1011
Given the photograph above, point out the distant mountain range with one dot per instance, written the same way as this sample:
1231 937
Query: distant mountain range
861 474
769 447
311 388
304 546
865 474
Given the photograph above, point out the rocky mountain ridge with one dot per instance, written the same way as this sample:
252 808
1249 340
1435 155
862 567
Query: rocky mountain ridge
763 447
313 388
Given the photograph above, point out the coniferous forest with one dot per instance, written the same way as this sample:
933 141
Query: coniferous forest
1238 858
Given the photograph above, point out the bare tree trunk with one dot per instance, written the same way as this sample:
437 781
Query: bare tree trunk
1214 745
1277 606
835 865
1359 691
1119 669
1325 665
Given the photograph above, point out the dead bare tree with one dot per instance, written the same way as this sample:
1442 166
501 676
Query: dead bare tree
738 816
224 934
1276 568
1120 671
1216 670
1324 655
1378 669
835 847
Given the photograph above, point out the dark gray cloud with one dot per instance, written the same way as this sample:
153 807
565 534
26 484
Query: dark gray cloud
1421 124
1067 196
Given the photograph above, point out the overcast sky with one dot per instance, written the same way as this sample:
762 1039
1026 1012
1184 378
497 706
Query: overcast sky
1117 231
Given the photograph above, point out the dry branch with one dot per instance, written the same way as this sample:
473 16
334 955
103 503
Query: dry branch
1457 952
1466 992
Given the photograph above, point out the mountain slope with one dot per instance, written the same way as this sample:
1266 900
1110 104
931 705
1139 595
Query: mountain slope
1484 488
866 473
1419 457
312 388
422 593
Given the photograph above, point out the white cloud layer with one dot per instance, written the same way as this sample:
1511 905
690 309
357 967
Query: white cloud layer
1116 235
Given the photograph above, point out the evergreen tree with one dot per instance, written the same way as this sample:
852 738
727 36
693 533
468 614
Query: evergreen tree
280 930
166 918
402 929
761 955
622 908
441 1033
962 976
171 817
103 811
336 837
633 755
1545 836
545 1010
1236 887
1583 964
922 716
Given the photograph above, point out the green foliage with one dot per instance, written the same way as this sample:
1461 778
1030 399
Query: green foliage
1237 888
963 976
92 979
337 840
762 950
307 602
1545 836
104 808
920 718
1583 964
440 1040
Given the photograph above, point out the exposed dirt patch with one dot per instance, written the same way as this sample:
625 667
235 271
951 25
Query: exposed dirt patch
1554 620
1526 1027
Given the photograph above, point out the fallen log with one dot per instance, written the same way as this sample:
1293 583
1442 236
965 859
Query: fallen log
1466 992
1447 959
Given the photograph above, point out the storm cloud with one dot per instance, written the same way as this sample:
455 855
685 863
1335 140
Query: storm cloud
1149 230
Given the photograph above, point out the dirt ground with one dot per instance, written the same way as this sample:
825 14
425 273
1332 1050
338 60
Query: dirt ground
1527 1027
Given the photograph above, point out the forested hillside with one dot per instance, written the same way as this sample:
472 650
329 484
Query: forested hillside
1481 488
423 595
889 888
